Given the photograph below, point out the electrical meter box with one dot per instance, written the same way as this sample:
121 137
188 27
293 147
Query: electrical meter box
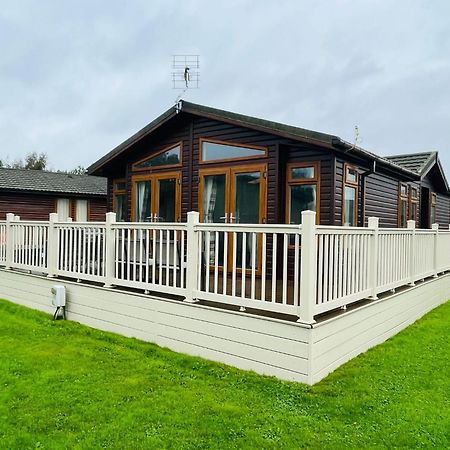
58 295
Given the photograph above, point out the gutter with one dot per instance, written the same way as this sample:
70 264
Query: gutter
346 146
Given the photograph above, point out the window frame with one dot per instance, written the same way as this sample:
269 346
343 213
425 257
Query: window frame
153 179
134 167
403 198
433 203
413 200
202 140
302 181
116 192
352 184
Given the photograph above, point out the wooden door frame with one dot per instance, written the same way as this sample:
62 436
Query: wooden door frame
262 187
208 172
230 201
153 178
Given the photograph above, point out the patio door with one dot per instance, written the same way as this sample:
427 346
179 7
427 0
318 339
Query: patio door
233 195
156 197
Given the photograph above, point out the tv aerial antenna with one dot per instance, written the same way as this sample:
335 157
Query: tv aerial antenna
185 73
358 139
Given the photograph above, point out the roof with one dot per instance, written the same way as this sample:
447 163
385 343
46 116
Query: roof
329 141
416 162
423 164
52 182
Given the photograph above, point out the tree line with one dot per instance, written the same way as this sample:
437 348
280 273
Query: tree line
37 161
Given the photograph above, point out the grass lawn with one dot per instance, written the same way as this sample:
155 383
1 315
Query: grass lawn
63 385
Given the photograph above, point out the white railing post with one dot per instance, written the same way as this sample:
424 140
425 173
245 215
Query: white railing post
192 260
110 249
52 246
373 223
9 240
435 228
308 267
411 225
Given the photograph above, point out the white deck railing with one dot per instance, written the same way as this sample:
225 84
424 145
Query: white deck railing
297 270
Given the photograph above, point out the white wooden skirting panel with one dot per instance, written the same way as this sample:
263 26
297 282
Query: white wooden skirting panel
265 345
340 339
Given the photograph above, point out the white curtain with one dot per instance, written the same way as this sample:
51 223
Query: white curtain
209 200
143 201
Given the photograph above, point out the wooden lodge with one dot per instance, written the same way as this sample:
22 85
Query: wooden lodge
239 169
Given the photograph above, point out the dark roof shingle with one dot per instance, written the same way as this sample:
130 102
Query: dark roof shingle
54 182
416 162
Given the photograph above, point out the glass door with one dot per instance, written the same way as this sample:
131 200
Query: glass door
248 192
232 195
156 197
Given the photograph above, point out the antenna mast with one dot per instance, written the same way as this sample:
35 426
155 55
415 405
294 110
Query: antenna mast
185 73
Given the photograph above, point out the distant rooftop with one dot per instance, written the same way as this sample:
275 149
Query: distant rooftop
54 182
416 162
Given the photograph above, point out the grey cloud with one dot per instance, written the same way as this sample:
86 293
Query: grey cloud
77 78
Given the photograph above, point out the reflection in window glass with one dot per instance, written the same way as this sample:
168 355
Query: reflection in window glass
352 175
433 214
403 213
120 207
167 158
350 206
214 198
413 211
167 200
143 193
212 151
303 198
301 173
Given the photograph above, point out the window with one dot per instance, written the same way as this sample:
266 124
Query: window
142 198
433 208
119 200
168 157
413 203
63 209
350 203
302 190
403 200
81 211
218 151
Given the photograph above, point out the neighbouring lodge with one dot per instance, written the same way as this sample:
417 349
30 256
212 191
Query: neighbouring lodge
238 169
34 194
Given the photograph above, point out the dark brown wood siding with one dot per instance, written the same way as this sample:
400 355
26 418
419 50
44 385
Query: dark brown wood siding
190 129
27 206
377 193
381 199
38 207
97 209
442 201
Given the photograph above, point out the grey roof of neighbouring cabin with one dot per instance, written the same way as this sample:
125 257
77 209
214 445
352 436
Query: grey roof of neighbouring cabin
51 182
289 131
416 162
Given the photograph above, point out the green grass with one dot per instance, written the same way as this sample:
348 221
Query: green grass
63 385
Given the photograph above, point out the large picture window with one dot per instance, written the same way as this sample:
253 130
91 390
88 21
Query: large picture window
212 151
350 202
169 157
302 190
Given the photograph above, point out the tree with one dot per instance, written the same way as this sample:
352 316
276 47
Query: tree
35 161
79 170
32 161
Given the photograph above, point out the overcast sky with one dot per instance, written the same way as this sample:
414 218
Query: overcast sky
79 77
